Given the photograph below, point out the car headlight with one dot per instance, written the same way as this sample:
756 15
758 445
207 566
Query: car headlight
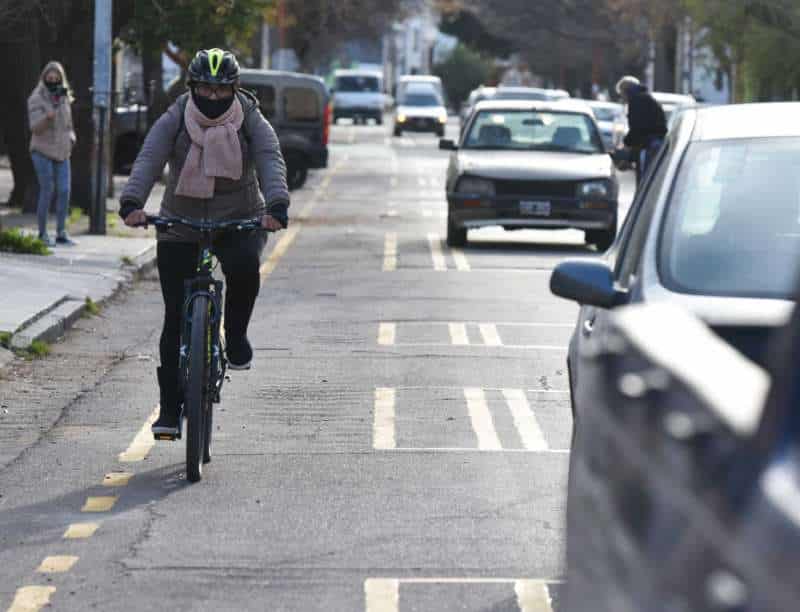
442 119
594 189
475 186
401 118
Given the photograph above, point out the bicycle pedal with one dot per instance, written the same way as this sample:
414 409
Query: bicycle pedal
166 437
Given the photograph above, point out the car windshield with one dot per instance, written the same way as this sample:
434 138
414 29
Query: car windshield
423 99
357 84
733 226
605 114
533 131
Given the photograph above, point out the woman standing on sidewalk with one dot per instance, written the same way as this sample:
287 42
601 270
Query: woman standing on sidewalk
52 139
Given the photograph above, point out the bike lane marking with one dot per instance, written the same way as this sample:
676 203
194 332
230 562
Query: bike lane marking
481 419
384 422
383 594
390 252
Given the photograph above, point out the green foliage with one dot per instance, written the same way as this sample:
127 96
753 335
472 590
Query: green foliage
5 339
14 241
197 24
757 41
462 72
91 307
75 215
37 350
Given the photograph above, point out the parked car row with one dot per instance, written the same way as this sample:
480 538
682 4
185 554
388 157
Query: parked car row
683 489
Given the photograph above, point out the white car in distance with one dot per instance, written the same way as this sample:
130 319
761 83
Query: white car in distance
420 109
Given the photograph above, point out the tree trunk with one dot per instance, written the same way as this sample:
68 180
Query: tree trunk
22 77
153 78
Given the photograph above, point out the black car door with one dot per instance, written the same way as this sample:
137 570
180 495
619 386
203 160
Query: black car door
748 557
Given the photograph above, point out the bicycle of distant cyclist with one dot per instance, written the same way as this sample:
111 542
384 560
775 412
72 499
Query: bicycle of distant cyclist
202 355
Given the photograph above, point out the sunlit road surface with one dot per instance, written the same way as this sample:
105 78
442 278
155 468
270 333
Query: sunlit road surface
401 443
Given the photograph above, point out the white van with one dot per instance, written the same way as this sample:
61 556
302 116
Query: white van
358 95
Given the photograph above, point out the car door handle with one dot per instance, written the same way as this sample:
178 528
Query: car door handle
588 325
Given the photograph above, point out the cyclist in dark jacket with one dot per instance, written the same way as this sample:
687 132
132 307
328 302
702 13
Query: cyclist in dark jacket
647 124
225 163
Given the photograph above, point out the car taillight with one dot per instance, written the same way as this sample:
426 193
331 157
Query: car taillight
326 124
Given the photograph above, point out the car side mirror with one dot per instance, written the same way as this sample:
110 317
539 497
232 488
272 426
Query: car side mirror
446 144
586 282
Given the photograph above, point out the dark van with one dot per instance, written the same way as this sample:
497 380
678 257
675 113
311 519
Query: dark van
297 107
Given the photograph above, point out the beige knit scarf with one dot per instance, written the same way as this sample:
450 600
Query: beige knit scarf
215 151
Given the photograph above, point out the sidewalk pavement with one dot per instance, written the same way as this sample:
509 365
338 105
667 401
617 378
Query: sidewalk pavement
44 295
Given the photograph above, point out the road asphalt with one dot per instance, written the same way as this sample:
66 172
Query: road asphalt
401 443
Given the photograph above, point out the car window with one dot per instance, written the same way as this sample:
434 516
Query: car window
639 220
266 97
733 227
424 99
358 84
534 131
301 104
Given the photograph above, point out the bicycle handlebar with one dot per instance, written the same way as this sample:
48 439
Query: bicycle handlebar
240 225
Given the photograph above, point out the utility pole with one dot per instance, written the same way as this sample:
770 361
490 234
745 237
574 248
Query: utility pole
103 107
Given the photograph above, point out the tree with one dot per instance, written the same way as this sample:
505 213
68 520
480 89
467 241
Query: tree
314 28
462 72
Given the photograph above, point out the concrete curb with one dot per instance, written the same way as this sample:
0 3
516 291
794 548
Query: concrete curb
52 323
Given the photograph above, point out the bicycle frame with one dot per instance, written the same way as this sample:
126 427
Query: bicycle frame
204 284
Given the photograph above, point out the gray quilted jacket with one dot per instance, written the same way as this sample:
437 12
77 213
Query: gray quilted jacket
262 188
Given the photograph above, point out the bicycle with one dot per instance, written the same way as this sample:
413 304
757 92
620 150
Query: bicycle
202 363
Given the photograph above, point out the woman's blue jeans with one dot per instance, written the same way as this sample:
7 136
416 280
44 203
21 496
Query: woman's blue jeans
53 177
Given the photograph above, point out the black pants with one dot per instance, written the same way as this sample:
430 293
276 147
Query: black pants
240 257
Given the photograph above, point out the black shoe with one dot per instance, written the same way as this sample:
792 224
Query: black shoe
240 354
65 240
168 424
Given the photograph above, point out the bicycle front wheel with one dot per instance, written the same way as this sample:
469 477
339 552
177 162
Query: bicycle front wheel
197 396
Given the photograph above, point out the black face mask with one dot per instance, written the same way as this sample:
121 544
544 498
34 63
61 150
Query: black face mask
212 109
54 88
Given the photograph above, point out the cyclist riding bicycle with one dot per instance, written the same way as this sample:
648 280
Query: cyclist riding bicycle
225 163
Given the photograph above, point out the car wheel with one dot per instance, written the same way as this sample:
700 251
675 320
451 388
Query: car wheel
440 133
398 132
296 171
379 119
456 236
602 239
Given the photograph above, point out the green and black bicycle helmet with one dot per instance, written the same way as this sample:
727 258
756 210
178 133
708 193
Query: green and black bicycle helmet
214 66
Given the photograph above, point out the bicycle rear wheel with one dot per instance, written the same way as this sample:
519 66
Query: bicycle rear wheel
197 396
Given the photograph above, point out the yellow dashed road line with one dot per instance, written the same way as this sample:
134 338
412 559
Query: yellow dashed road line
117 479
142 443
79 531
31 598
99 504
57 564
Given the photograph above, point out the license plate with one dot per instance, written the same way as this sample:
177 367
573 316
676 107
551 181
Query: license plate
536 207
